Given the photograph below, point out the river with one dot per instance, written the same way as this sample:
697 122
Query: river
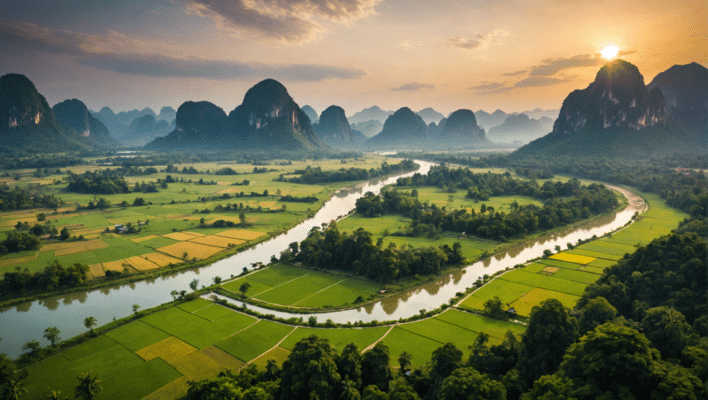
27 321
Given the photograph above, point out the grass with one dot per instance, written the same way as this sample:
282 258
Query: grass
255 340
338 338
525 303
137 335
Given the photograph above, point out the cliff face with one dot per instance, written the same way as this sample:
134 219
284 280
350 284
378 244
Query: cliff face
333 127
269 117
461 127
617 98
76 116
402 128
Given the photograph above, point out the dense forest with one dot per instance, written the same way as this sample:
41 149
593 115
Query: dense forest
23 199
329 248
107 182
54 276
316 175
564 203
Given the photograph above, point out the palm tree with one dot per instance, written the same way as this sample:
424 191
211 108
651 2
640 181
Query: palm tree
55 395
88 386
13 385
52 334
90 322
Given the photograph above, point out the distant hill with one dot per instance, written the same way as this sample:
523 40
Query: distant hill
487 121
77 117
461 129
311 114
28 124
616 115
168 114
520 128
402 129
333 127
429 115
368 128
268 118
123 125
685 89
371 113
539 114
434 130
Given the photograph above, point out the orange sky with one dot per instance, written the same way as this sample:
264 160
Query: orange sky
512 55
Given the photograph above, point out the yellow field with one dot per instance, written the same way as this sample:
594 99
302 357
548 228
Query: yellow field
144 238
181 236
574 258
141 264
525 303
193 250
219 241
79 247
173 390
96 270
222 358
116 265
18 260
550 270
241 234
278 354
170 350
162 260
197 366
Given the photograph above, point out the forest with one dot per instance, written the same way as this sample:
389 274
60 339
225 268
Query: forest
315 175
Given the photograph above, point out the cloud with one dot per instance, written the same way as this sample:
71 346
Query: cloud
623 53
110 54
516 73
479 41
541 81
488 86
293 21
410 87
552 66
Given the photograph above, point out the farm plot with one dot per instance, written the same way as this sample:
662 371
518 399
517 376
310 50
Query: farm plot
213 312
558 263
170 349
573 258
505 290
180 236
576 276
197 366
241 234
478 323
192 250
581 252
607 246
277 354
194 305
545 282
338 338
173 390
419 347
218 241
296 290
344 292
137 335
141 264
254 287
161 259
222 358
441 331
255 340
525 303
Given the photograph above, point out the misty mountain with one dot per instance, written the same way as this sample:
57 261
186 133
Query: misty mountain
28 124
434 130
168 114
368 114
616 115
429 115
333 128
685 89
461 129
368 128
123 125
486 120
520 128
268 118
539 114
311 114
402 129
77 117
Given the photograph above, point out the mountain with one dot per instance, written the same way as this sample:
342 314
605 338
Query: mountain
371 113
311 114
333 127
368 128
403 128
685 89
76 116
429 115
616 115
520 128
167 113
434 130
461 129
486 120
268 118
28 124
538 113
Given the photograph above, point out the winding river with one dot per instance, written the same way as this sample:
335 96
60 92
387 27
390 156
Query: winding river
27 321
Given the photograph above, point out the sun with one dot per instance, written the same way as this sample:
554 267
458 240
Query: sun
610 52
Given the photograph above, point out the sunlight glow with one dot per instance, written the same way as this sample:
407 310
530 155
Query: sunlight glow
610 52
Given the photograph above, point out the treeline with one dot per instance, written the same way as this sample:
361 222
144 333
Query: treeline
51 277
564 204
107 182
19 241
315 175
292 199
22 199
331 249
44 161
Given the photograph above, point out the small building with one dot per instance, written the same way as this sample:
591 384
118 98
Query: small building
121 228
511 311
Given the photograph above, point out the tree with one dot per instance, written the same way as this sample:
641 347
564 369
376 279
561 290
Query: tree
174 294
310 371
404 360
551 387
445 360
64 234
468 383
194 284
217 280
52 334
375 368
242 218
136 307
33 346
494 308
372 392
349 364
90 322
401 390
54 395
596 312
88 386
667 330
244 288
11 386
550 331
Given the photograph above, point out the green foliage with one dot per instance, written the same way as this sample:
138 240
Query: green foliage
596 312
667 330
494 308
97 182
315 175
468 383
375 369
22 199
88 386
19 241
52 334
310 370
51 277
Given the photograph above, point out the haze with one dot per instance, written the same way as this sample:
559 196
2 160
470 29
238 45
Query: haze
513 55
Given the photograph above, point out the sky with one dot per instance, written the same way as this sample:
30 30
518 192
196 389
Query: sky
446 54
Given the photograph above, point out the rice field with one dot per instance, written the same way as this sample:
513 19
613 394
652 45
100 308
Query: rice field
254 340
170 349
192 250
